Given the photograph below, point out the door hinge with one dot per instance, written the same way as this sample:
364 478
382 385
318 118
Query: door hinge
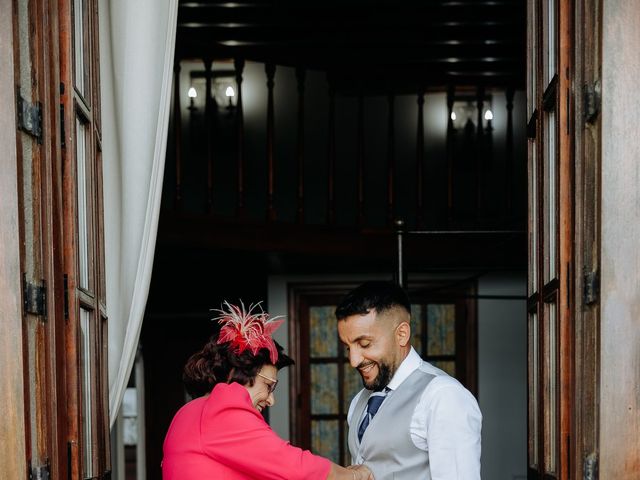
42 472
30 117
592 100
35 297
590 468
591 287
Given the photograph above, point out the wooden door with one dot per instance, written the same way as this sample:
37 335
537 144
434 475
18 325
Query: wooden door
550 305
57 223
588 61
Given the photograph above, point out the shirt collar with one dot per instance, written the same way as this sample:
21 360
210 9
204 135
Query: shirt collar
406 368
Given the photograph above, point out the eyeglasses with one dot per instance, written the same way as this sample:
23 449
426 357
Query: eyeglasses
273 386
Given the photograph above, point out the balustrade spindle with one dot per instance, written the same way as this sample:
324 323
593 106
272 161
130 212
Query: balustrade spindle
480 153
509 160
239 67
270 70
177 127
331 160
419 163
360 159
391 162
449 154
208 113
300 77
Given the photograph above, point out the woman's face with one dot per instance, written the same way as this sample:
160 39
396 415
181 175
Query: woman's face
261 391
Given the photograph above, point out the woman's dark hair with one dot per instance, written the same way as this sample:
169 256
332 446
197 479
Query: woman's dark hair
220 364
378 295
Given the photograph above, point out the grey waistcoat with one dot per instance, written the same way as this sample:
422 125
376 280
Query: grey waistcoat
387 448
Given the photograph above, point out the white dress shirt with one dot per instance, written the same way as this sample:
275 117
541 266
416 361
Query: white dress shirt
446 422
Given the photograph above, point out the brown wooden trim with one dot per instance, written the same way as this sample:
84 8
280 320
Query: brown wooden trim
14 459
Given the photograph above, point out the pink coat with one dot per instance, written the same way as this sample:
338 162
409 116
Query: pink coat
223 437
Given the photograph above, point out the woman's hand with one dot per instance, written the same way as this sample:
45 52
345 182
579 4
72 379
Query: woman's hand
362 472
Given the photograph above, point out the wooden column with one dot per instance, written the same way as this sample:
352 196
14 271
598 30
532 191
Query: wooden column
177 127
509 180
331 160
449 154
13 461
208 114
239 67
391 161
270 70
419 163
360 159
300 76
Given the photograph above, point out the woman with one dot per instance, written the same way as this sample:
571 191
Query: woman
222 435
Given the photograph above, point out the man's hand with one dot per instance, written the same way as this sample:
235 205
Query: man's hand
362 472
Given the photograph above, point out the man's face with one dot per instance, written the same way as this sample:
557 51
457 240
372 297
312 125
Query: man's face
373 346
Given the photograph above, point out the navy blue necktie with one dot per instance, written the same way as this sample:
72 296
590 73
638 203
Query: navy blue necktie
375 400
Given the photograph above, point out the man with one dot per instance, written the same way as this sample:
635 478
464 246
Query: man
412 421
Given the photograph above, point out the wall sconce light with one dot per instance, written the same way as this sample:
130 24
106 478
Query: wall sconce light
465 113
192 94
488 116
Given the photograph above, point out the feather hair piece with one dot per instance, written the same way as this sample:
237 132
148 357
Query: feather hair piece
248 329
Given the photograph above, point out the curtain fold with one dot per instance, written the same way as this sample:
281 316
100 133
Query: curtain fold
137 44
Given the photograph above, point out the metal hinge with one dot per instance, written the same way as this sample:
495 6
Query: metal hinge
35 297
590 470
592 101
591 287
30 117
40 473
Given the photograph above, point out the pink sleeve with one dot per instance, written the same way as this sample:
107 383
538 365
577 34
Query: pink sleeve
238 437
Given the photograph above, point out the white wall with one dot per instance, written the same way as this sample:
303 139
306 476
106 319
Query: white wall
502 377
502 367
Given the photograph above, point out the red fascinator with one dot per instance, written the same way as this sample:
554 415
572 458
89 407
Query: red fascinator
246 329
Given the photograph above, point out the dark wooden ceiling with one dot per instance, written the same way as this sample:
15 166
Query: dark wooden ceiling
366 44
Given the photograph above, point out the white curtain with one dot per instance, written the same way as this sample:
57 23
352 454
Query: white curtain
137 43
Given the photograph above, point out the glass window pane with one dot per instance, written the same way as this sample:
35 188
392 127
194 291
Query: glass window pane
417 319
351 386
447 366
324 434
533 218
87 389
80 33
83 204
441 331
324 388
532 60
323 330
534 391
550 197
550 34
551 388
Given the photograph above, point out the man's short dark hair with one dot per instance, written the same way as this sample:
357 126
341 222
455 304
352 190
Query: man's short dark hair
378 295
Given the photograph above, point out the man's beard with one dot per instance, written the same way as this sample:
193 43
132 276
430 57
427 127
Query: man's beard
385 372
